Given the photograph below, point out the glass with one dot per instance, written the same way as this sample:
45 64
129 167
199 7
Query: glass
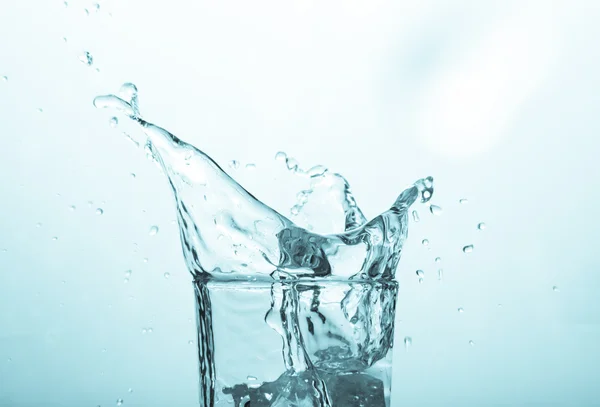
297 343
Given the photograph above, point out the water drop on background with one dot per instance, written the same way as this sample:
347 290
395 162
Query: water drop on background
468 249
415 216
40 110
463 201
234 164
72 208
190 342
280 156
440 274
38 225
145 260
119 402
150 330
471 343
250 166
555 288
425 242
436 210
167 275
481 226
407 342
130 390
99 211
438 259
86 11
66 4
86 58
55 238
113 122
420 273
5 78
96 7
153 230
461 310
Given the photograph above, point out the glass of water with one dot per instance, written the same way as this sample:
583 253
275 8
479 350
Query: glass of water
305 342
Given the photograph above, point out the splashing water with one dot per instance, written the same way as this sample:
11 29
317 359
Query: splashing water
227 234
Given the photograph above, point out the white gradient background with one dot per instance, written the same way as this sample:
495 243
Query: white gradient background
499 101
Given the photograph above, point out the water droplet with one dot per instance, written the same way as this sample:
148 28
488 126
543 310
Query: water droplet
66 4
555 288
130 390
425 242
145 260
438 259
125 280
235 164
481 226
468 249
62 304
90 203
190 342
499 305
96 7
38 225
251 378
40 110
119 402
420 280
415 216
463 201
436 210
167 275
150 330
86 11
133 175
127 273
461 310
72 208
407 342
291 164
99 211
280 156
420 273
440 273
65 39
5 78
250 166
471 343
55 238
144 330
113 122
103 350
153 230
86 58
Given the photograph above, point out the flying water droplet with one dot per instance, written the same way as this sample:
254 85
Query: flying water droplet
150 330
407 342
65 39
420 273
144 330
153 230
555 288
436 210
96 7
145 260
481 226
190 342
40 110
234 164
438 259
119 402
65 4
113 122
461 310
86 11
72 208
471 343
38 225
5 78
425 242
468 249
99 211
463 201
415 216
167 275
133 175
280 156
86 58
54 238
130 390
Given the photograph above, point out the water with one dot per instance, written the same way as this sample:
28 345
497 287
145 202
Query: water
331 296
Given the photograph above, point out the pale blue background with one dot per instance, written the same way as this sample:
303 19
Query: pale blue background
499 102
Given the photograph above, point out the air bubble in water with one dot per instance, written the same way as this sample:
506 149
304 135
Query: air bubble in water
425 242
235 164
99 211
461 310
407 342
481 226
468 249
86 58
113 122
555 288
436 210
463 201
153 230
167 275
415 216
280 156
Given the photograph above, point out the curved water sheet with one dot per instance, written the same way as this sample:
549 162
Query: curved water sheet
334 331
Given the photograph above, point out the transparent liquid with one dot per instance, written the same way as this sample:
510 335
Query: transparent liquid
243 362
330 296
